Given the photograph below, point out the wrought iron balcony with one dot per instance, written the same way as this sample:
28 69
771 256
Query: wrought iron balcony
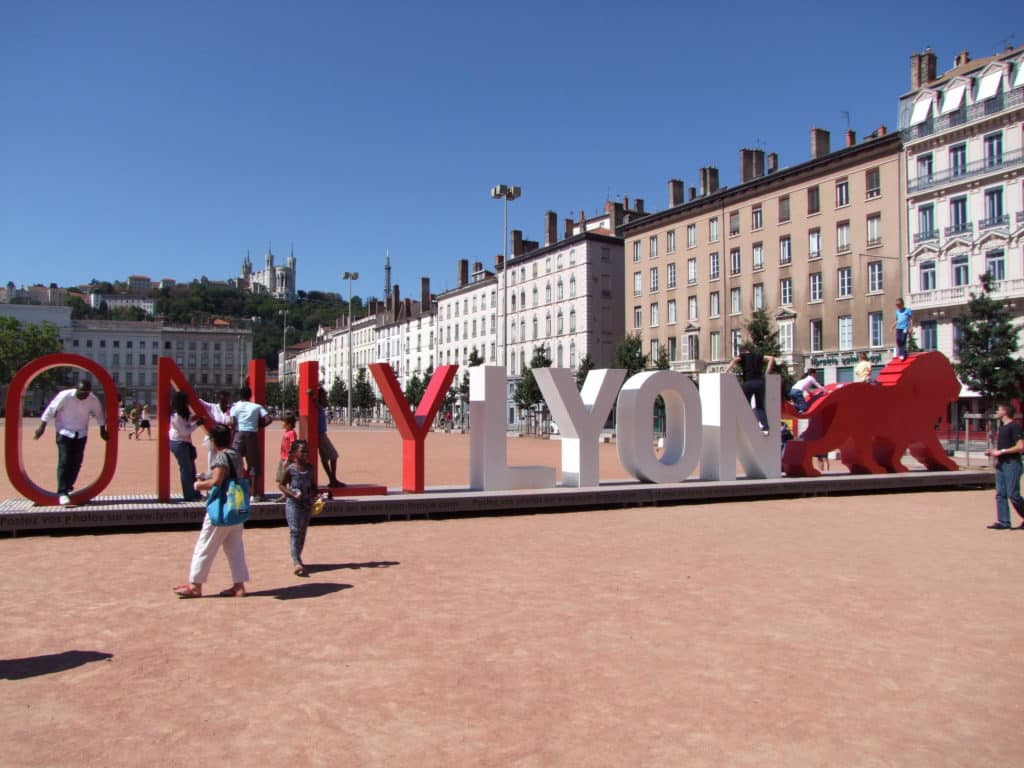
959 229
1004 160
965 114
925 236
994 221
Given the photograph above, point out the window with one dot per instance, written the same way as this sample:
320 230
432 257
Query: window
691 271
670 275
670 241
874 229
961 270
560 261
756 219
875 331
815 331
638 284
785 250
559 324
734 223
813 199
926 223
691 308
654 278
958 159
873 182
786 336
786 290
713 229
572 354
536 294
735 340
784 209
655 349
842 193
655 315
814 244
958 215
691 235
995 264
535 325
843 236
547 293
929 334
638 317
735 301
653 247
636 251
692 346
713 266
875 280
845 282
994 149
993 207
735 261
846 332
572 286
559 290
927 275
924 167
547 265
758 256
670 310
672 351
758 295
714 310
716 345
815 287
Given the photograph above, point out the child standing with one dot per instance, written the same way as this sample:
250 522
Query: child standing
296 484
289 437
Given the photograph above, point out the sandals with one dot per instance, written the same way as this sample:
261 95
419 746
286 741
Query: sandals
187 590
232 592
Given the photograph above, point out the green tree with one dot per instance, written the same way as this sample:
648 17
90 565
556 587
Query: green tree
763 337
362 392
21 343
290 396
337 396
527 392
630 355
988 345
414 390
586 366
663 363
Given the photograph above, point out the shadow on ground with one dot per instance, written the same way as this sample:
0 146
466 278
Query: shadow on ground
321 567
32 666
300 591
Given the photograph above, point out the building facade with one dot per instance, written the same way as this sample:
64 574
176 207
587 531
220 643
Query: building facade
963 134
273 280
817 245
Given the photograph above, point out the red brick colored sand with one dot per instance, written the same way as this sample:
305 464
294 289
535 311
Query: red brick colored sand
860 631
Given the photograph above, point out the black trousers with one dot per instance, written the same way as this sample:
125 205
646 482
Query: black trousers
755 388
70 452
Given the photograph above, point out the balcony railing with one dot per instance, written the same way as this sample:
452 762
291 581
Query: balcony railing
961 172
1020 217
843 248
924 237
959 229
965 114
994 221
960 294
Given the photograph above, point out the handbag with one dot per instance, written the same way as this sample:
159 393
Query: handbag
228 503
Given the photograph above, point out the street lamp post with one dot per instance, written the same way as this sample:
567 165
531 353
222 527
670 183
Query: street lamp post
505 192
284 355
350 276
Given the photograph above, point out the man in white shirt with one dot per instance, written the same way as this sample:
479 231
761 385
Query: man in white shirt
71 410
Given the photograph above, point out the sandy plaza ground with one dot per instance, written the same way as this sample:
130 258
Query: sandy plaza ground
835 631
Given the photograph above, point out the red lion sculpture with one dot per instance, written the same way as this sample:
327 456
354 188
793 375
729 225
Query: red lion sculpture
874 424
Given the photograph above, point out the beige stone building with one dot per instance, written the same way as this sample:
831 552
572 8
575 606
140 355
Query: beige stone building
817 245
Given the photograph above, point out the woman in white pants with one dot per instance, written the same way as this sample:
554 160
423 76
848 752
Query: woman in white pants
213 537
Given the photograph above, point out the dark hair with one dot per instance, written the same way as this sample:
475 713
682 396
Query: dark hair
223 393
245 393
288 418
295 447
809 372
1010 409
179 404
221 436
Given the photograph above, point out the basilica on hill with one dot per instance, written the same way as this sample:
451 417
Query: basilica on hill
276 281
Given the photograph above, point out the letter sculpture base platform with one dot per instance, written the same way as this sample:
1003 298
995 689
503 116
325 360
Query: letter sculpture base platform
355 489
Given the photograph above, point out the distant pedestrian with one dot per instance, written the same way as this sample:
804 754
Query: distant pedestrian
862 370
71 409
752 364
287 440
249 418
802 390
134 416
823 463
903 326
785 434
296 483
183 424
1007 453
328 453
143 423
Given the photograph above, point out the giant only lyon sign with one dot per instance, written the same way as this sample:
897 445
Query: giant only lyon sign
711 427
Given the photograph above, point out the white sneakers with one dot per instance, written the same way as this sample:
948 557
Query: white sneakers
63 499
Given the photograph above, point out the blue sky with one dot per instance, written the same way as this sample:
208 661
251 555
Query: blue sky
168 139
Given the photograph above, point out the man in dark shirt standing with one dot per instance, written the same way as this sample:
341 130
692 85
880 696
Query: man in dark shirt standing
1007 453
752 365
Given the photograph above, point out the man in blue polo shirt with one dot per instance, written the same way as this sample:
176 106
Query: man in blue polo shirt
248 418
903 326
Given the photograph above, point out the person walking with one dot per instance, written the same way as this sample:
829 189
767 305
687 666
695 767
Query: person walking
249 418
751 364
296 483
903 326
183 423
226 464
862 370
1007 453
328 453
287 440
71 409
802 389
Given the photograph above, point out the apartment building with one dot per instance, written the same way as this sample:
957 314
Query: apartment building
817 245
963 134
467 317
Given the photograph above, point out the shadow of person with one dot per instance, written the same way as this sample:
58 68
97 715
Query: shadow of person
320 567
19 669
299 591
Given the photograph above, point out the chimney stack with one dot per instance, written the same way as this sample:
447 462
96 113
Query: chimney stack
395 299
568 228
882 130
517 242
915 71
463 272
851 138
499 263
640 205
708 180
425 293
478 267
820 143
675 193
693 193
922 68
928 64
758 163
550 228
773 163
